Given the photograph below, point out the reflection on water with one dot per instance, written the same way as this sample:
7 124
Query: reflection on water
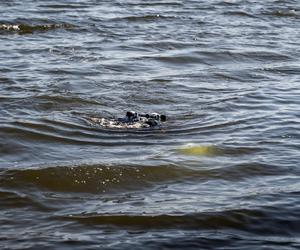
222 171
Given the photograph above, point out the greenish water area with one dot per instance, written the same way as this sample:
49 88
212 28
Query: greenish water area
221 173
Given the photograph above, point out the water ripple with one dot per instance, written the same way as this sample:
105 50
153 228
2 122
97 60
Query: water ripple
226 74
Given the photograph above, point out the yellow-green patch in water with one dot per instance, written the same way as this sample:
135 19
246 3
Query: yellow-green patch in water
197 150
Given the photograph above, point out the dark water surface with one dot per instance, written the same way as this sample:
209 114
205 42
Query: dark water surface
223 173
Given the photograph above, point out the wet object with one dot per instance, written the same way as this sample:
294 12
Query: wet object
132 120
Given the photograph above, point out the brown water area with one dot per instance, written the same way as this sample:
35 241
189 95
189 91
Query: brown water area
221 173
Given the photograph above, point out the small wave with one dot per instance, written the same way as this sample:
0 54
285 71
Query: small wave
282 13
156 3
122 178
264 220
73 133
93 179
194 127
65 6
229 2
283 70
144 18
240 13
28 29
12 199
180 59
196 57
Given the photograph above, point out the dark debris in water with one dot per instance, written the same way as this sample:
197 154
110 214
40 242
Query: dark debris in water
29 29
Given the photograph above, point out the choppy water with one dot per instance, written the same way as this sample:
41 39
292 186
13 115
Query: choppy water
223 173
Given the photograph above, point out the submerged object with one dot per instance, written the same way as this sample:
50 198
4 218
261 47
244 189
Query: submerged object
133 120
197 150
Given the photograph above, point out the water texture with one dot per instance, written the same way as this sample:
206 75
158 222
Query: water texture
223 171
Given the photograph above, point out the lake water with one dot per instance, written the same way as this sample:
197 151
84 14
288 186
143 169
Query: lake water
222 172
